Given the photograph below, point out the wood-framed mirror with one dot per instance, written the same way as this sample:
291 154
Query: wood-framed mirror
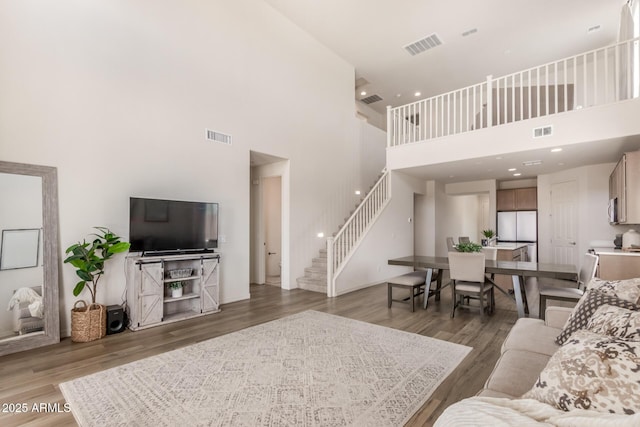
29 314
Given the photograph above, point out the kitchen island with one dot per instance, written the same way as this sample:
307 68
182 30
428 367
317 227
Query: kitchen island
615 264
509 252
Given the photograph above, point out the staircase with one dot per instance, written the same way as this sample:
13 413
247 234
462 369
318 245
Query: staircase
345 239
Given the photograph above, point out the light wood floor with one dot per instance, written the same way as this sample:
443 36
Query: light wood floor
33 376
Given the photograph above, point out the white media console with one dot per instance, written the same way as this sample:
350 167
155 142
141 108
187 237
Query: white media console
149 299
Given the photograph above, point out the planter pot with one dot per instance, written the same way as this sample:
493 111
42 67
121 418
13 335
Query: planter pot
176 293
484 242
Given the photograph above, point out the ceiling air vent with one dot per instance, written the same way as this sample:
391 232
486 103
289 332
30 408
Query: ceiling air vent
371 99
424 44
542 131
469 32
222 138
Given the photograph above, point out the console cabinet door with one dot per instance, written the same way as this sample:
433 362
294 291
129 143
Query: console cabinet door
151 294
210 285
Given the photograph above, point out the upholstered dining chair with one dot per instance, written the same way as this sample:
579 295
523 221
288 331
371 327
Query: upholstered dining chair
464 239
451 246
557 289
413 281
468 282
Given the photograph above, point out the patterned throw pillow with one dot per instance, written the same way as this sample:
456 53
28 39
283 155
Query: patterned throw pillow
588 305
628 289
591 371
616 322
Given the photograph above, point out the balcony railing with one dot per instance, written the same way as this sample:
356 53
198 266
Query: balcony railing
598 77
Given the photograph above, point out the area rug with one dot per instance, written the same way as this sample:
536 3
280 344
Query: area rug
308 369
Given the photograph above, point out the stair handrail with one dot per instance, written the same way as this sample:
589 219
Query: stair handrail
338 249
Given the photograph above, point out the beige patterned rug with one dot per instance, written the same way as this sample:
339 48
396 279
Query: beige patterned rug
309 369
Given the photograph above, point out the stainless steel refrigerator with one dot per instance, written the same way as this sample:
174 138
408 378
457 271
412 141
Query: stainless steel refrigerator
520 226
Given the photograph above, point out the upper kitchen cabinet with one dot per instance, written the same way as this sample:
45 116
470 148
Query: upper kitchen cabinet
517 199
624 190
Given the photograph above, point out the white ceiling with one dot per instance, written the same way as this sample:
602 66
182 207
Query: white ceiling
512 35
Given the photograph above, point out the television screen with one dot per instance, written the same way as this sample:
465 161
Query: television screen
171 225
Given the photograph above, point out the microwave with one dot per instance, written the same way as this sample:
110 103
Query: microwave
613 210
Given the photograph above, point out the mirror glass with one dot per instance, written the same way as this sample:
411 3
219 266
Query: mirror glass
28 257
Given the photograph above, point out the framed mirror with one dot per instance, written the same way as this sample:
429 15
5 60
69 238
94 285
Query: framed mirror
29 315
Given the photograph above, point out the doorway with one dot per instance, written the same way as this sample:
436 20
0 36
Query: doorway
269 225
272 220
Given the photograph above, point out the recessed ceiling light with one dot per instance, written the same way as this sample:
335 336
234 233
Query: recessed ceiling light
363 93
358 192
499 158
417 94
398 95
512 169
556 150
560 164
320 234
517 174
451 176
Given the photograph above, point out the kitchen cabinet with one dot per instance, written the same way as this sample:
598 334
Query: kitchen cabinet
517 199
624 189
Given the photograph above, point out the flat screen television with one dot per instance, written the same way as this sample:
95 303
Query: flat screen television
172 226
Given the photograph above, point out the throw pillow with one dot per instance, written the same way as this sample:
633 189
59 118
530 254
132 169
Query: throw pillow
615 321
591 371
628 289
588 305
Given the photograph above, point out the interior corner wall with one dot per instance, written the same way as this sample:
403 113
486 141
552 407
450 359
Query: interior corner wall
117 95
391 236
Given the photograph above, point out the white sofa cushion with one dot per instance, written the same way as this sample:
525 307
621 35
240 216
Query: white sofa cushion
532 335
515 372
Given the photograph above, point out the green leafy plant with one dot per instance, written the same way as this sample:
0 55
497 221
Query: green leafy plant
488 233
89 258
175 285
468 247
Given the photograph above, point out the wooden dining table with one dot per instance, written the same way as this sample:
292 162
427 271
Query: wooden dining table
518 270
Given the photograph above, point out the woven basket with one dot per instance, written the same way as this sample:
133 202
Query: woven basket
88 323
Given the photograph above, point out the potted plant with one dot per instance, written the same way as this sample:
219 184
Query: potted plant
176 289
89 323
468 247
488 234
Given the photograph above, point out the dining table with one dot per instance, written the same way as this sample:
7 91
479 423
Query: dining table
518 270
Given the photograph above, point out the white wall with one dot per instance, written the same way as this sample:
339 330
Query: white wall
371 116
117 94
391 236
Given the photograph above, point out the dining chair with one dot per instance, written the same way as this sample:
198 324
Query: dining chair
468 281
413 281
557 289
451 246
464 239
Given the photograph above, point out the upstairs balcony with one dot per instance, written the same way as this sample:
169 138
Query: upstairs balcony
587 97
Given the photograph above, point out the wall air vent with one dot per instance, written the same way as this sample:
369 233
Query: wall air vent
543 131
222 138
371 99
424 44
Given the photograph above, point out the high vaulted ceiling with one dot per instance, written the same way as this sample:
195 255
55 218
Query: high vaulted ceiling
512 35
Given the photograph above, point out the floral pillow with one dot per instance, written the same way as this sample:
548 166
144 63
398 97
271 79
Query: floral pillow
588 305
616 322
591 371
628 289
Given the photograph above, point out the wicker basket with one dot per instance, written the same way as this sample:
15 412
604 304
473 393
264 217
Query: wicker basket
88 323
180 273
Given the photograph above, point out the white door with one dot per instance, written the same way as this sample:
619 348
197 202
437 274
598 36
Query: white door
272 205
564 222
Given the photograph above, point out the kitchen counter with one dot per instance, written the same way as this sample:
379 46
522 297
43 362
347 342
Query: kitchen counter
510 246
612 251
